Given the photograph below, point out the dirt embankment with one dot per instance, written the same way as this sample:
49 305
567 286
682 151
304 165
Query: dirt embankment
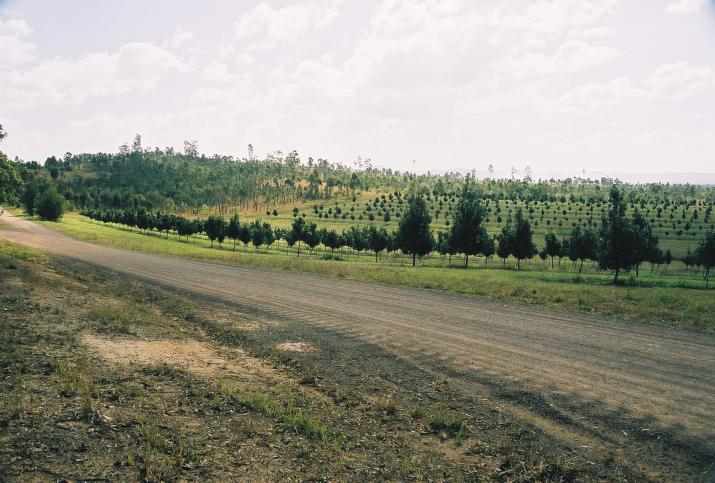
640 394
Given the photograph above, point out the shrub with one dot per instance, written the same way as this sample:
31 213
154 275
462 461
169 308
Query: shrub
50 205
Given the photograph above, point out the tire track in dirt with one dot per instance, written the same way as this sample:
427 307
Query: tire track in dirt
640 372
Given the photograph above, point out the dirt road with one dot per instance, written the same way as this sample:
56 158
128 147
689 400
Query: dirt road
586 381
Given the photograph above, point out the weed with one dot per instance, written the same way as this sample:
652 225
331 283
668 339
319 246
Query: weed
112 320
443 421
286 413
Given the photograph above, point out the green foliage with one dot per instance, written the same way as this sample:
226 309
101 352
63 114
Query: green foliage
11 184
233 229
583 245
413 235
50 205
552 247
517 239
467 233
705 254
620 238
215 227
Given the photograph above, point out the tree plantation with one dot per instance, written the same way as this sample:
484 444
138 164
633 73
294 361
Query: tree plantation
622 243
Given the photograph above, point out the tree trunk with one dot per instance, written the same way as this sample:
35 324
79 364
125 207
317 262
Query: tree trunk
466 260
581 267
615 279
552 263
414 259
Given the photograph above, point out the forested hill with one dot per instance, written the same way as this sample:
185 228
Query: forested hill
189 182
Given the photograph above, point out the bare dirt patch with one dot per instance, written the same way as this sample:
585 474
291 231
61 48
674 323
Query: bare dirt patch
193 356
295 347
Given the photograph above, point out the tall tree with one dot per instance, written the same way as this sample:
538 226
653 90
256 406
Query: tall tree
244 235
467 231
618 238
583 245
646 240
377 239
10 179
522 245
215 227
258 234
414 236
488 248
553 246
297 232
505 240
311 236
233 229
705 254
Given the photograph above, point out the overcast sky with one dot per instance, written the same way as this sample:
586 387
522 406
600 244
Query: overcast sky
561 86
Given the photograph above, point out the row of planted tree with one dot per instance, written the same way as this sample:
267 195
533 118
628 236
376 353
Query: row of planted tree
621 244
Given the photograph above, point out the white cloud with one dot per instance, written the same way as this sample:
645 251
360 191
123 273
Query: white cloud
680 80
181 36
134 66
265 25
15 49
686 6
599 95
217 72
571 56
14 27
668 81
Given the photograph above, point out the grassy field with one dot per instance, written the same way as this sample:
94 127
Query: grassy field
675 300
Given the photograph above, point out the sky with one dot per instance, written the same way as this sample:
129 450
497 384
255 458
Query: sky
561 86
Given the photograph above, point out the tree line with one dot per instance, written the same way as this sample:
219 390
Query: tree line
622 243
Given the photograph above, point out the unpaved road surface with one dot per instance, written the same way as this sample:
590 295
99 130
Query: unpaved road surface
589 382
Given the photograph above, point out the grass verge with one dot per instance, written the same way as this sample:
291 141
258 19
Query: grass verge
672 301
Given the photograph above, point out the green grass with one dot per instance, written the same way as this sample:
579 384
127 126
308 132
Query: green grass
10 252
677 301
